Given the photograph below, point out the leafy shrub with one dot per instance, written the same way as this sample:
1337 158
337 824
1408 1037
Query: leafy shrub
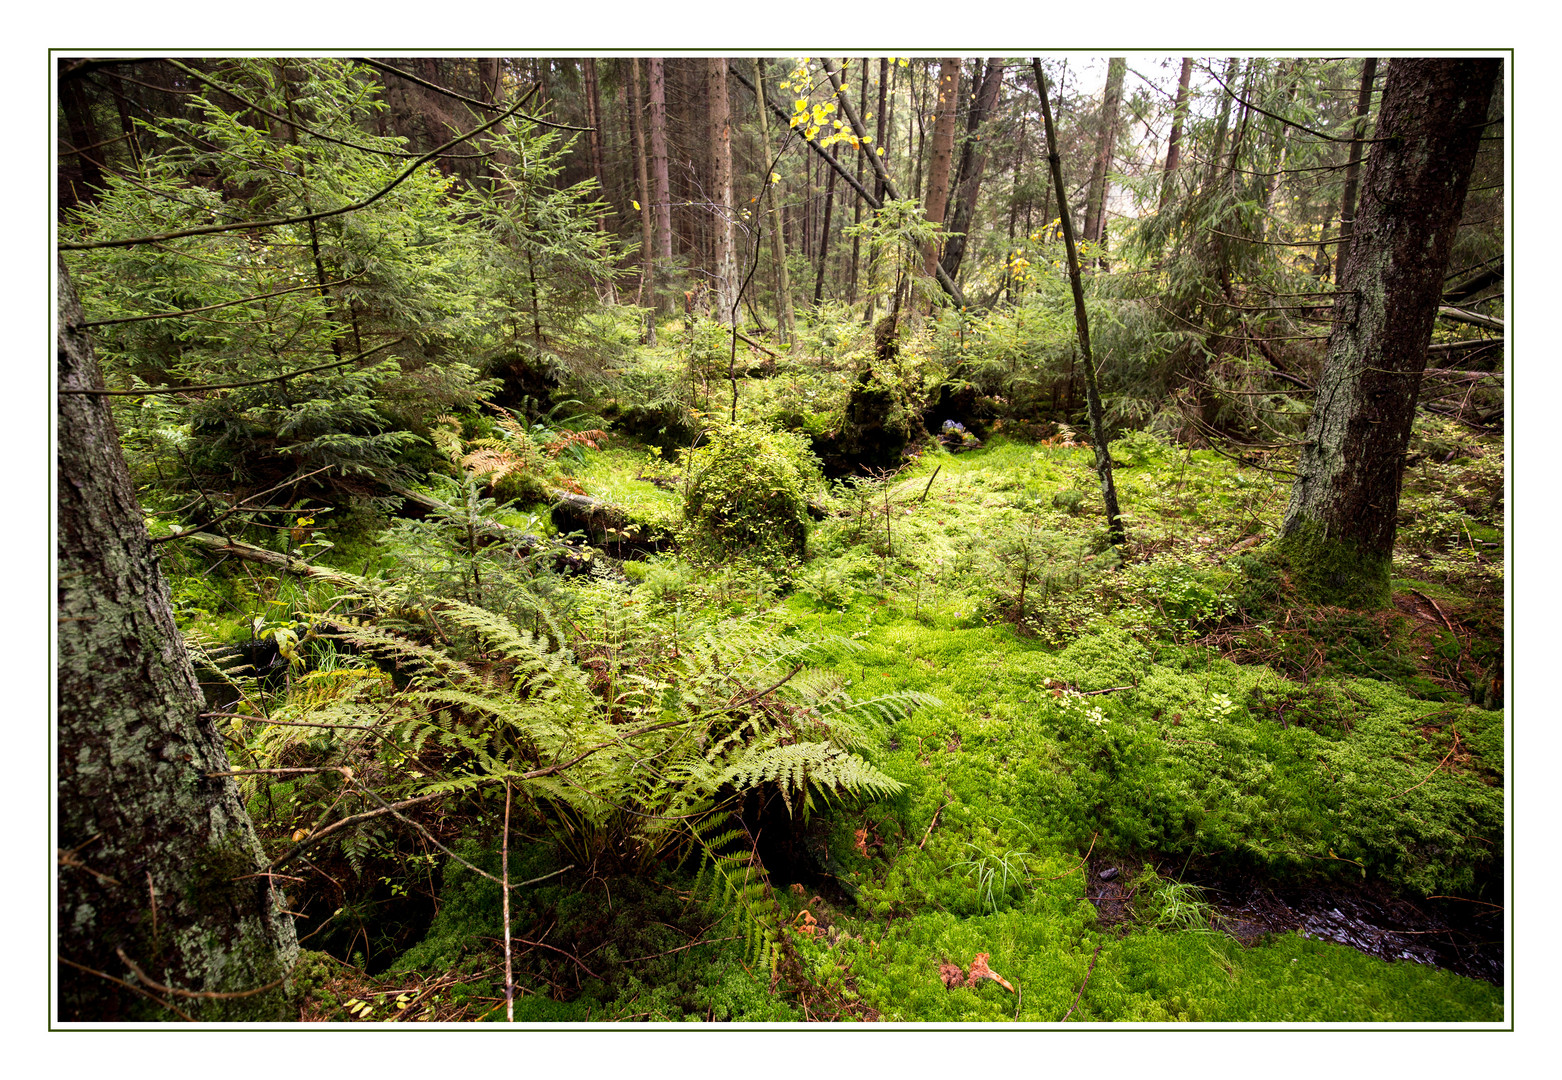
746 494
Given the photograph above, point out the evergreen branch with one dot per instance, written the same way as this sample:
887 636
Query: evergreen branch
213 307
257 107
297 219
94 392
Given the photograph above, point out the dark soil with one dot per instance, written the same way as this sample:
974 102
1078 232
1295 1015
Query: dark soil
1463 936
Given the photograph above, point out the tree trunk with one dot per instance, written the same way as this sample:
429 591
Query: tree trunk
1338 533
824 232
1179 114
726 263
159 864
1369 68
1114 518
943 152
647 258
1106 146
661 189
973 160
784 314
1222 125
594 136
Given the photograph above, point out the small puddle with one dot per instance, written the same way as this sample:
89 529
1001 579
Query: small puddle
1460 935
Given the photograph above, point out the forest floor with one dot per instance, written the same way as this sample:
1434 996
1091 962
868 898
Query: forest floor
1148 785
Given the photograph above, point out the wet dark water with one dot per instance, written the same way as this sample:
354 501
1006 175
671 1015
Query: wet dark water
1462 936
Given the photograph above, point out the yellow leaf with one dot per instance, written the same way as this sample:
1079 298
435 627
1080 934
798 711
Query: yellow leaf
634 204
775 178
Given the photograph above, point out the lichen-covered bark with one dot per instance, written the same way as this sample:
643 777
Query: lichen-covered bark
155 857
1338 534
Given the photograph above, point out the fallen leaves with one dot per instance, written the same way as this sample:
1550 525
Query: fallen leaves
954 976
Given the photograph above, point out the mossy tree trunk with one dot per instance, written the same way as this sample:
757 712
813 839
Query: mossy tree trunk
1338 534
158 862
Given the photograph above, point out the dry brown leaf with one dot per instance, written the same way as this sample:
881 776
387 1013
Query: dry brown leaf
862 842
980 970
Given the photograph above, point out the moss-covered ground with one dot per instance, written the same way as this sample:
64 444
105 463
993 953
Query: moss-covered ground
1168 704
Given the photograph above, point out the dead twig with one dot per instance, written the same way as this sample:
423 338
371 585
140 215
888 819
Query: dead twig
934 821
1082 861
1082 985
132 988
1439 765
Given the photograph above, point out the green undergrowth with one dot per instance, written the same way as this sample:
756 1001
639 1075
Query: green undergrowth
1169 702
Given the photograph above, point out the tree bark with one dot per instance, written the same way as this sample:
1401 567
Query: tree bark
642 177
661 189
1114 518
943 151
824 231
158 861
1369 68
726 263
1338 533
784 314
973 160
1179 114
1106 146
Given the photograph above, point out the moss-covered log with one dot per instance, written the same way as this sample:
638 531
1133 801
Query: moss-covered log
159 866
1338 535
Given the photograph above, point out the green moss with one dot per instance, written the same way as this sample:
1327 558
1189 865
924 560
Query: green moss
1333 571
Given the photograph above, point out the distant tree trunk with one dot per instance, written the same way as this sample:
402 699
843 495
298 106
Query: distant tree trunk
880 133
943 152
642 177
1338 533
824 233
725 261
81 134
1114 518
159 864
785 317
1219 146
1179 115
973 161
1106 146
862 148
1369 68
661 189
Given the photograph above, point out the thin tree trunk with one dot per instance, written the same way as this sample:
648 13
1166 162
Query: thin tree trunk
661 189
785 317
862 148
1369 68
1221 126
642 175
824 232
726 266
594 136
1179 115
1106 146
1103 449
